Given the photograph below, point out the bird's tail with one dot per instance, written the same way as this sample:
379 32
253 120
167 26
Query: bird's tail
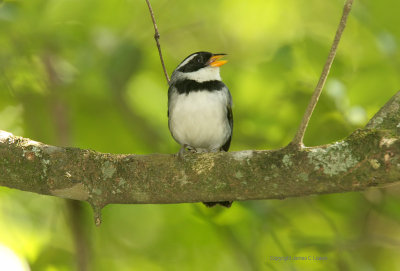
226 204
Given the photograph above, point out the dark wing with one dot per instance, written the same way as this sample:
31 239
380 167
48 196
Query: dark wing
169 97
229 115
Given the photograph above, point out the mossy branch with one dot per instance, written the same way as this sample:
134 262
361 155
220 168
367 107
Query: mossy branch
368 157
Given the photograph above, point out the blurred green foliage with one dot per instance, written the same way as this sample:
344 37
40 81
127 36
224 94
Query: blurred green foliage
87 74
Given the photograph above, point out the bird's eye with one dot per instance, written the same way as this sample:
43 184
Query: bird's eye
199 60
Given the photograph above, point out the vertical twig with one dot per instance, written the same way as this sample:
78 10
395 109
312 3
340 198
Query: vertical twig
298 138
157 37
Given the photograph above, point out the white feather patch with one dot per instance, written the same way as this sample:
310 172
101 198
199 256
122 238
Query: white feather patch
204 74
199 119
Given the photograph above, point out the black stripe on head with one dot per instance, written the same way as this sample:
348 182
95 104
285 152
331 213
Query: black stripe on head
196 63
186 86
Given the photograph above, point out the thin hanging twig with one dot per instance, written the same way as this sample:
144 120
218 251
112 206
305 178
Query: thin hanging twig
298 138
157 37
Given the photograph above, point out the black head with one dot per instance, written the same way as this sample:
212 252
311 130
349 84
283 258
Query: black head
199 60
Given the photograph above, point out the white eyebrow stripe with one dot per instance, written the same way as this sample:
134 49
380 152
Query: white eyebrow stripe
186 61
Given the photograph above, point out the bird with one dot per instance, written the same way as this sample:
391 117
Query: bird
200 115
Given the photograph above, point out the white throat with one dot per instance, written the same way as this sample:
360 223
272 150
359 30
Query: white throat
204 74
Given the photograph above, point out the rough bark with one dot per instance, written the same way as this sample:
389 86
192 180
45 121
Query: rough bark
368 157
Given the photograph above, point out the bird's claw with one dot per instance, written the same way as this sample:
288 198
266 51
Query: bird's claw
184 149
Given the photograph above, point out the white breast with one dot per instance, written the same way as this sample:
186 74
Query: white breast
199 119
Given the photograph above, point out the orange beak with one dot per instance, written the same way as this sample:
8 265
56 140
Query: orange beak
215 62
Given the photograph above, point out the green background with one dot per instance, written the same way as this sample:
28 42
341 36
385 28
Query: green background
87 74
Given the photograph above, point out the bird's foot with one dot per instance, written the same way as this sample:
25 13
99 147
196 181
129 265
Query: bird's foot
184 149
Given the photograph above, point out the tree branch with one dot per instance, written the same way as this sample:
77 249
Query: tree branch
368 157
388 116
298 138
157 37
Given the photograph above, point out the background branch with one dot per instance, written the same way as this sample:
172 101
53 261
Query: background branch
298 138
58 109
157 37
